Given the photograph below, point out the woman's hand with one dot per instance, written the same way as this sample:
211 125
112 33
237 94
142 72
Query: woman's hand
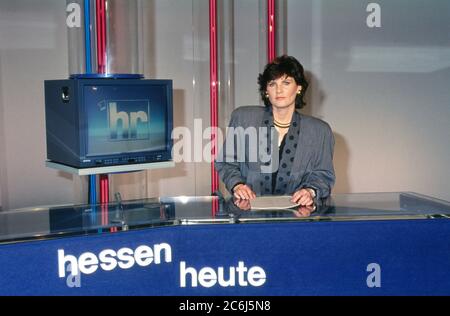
244 205
304 211
303 197
243 192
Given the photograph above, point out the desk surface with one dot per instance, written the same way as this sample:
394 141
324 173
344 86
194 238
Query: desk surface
356 244
59 221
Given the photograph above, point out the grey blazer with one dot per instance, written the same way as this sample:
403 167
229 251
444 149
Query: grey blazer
250 154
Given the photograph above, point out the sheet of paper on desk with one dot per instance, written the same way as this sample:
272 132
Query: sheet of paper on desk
272 203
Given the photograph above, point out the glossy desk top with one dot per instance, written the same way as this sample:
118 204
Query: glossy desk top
59 221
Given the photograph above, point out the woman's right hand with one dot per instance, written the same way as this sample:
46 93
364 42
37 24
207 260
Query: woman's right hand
243 192
243 205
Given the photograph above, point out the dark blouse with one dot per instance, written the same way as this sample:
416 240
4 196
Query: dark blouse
274 175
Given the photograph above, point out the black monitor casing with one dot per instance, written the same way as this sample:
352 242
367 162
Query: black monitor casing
67 113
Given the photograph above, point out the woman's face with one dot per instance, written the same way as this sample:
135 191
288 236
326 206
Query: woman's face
282 92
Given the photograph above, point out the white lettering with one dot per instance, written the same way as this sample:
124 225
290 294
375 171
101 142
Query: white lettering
129 122
135 117
143 256
62 260
374 18
167 253
198 140
256 276
125 256
181 150
88 263
108 259
231 279
210 151
241 269
208 277
195 307
184 272
374 278
74 16
108 263
73 281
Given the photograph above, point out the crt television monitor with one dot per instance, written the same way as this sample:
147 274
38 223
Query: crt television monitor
108 122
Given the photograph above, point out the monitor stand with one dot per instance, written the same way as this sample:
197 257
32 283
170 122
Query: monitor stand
109 169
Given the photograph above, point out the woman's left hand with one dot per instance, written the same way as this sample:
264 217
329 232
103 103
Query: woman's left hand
303 197
304 211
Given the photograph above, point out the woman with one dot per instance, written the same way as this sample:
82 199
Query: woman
300 147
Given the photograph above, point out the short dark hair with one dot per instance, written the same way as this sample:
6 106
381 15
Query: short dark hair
279 67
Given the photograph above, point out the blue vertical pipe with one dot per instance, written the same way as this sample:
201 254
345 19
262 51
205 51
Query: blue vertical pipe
87 46
87 35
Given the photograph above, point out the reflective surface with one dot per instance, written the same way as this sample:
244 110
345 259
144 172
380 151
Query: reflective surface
59 221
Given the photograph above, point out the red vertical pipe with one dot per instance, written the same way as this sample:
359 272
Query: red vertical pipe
215 206
100 14
101 35
101 69
214 95
271 47
104 198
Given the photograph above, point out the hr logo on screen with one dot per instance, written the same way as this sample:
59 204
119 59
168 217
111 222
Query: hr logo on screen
128 120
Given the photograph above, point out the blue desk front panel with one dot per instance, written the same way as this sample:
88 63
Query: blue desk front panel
395 257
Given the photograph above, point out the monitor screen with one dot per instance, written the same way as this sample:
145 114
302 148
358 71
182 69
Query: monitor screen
125 118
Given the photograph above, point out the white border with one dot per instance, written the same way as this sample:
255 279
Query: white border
111 169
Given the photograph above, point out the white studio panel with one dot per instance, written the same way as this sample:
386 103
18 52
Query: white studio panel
380 77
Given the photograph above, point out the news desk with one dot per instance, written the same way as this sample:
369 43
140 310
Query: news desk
352 244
